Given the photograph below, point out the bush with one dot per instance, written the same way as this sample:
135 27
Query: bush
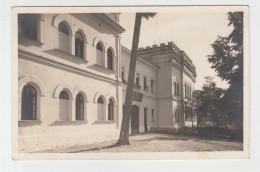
219 132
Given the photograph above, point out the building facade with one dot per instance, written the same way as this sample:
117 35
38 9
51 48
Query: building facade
176 79
72 75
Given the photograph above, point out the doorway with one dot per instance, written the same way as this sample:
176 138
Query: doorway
135 120
145 120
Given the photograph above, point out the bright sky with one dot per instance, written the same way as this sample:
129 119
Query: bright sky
191 30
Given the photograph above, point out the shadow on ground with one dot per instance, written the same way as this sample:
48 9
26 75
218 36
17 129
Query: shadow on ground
137 141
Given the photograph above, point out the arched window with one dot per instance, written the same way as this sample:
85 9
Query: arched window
101 109
109 59
100 100
29 103
99 54
64 39
111 110
79 107
79 45
64 95
63 28
99 47
28 25
64 106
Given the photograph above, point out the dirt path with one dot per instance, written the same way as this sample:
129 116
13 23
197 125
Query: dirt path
159 143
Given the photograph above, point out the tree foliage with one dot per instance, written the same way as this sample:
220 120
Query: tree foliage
208 104
227 61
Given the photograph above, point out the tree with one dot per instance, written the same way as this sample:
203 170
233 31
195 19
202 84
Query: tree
208 104
124 132
227 60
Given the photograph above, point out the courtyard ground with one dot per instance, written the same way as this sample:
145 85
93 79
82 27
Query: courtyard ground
154 142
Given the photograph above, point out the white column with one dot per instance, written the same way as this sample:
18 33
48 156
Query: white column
73 110
105 59
106 112
72 46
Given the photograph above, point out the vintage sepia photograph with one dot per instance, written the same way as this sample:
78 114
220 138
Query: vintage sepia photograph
102 82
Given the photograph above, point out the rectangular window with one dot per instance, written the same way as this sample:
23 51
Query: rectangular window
28 25
175 88
145 120
189 92
122 73
178 91
137 79
145 85
152 85
152 115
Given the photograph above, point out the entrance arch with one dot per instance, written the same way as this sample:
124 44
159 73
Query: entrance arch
135 120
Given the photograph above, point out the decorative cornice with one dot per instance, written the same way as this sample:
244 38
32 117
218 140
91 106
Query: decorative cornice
109 22
170 48
39 58
128 52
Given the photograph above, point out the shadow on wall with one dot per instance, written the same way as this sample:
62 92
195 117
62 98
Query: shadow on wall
101 69
68 123
28 123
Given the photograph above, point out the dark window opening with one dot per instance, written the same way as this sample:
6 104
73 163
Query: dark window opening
152 115
137 80
175 88
28 24
152 85
79 45
109 59
110 110
100 100
145 85
63 28
123 73
79 107
64 95
99 47
178 90
145 120
29 103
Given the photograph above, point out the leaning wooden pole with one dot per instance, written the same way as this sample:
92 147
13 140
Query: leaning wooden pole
124 132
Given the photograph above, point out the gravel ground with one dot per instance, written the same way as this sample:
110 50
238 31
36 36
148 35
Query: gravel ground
152 142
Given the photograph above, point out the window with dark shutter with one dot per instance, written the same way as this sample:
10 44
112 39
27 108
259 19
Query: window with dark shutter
29 103
79 45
